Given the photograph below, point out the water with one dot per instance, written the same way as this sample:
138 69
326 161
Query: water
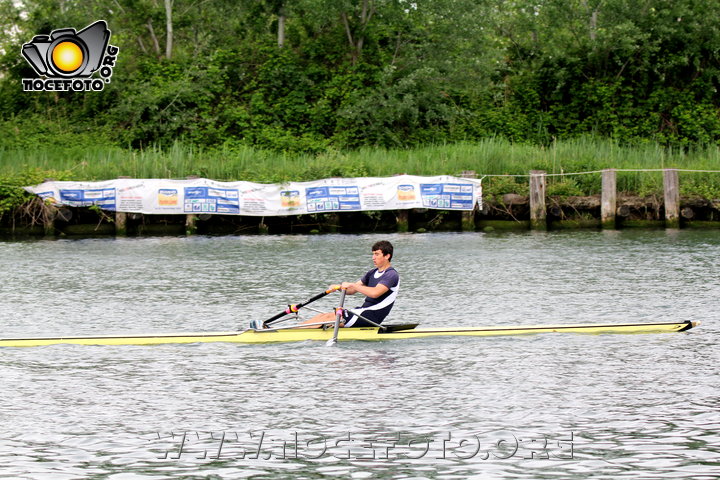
571 406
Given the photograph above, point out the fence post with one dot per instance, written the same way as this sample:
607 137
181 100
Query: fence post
608 202
403 223
263 229
50 213
671 186
120 219
538 212
468 218
120 224
190 218
48 217
332 222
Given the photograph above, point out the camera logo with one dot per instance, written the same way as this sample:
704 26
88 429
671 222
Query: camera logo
67 59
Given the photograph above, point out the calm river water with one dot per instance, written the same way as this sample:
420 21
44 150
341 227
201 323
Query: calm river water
548 406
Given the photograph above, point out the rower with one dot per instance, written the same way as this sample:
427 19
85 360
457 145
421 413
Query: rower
380 286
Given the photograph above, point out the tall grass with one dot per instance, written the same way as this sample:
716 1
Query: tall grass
492 156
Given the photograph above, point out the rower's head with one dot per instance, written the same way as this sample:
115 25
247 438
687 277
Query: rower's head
382 253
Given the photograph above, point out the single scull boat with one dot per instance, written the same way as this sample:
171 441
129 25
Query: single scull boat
389 332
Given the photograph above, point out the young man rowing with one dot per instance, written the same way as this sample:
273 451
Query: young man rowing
380 287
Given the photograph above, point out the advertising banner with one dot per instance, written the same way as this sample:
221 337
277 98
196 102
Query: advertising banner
200 195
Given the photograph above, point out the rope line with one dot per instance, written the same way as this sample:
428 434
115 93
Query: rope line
600 171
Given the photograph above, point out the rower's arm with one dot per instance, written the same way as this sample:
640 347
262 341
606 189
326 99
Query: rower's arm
358 287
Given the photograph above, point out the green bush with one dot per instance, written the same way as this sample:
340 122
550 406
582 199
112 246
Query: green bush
13 196
566 187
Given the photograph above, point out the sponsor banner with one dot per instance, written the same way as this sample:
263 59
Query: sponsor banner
158 196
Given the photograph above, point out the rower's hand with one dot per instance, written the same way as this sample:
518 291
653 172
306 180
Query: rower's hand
348 287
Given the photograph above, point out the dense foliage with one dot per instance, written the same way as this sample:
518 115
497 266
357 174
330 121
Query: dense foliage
317 75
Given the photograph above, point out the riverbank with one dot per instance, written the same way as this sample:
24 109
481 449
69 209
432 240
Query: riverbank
571 186
499 213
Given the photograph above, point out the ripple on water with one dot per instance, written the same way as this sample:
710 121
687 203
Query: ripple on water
610 405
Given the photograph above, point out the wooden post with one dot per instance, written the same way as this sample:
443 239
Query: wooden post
49 212
468 218
671 185
608 202
332 222
120 220
538 213
262 228
120 224
190 224
191 218
49 220
403 223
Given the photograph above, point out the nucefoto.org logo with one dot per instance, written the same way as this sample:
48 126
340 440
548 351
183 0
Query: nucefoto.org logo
67 59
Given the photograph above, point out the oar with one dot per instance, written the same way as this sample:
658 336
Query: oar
292 309
338 315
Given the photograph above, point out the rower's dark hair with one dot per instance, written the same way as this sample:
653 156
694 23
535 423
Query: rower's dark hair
384 246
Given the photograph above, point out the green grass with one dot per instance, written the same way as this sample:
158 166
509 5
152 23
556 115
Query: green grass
489 157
